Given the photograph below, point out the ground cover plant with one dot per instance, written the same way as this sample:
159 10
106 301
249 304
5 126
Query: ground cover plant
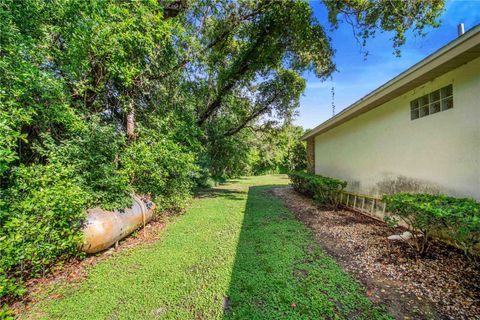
236 253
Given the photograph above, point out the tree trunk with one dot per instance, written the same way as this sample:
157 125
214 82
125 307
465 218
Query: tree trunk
131 122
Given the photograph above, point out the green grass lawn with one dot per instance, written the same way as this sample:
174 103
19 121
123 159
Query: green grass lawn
237 253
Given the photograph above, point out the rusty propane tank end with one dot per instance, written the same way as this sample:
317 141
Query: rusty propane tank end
104 228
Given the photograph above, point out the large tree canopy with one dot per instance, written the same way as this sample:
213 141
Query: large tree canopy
221 64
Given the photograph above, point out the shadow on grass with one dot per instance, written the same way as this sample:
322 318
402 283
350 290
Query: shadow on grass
220 193
281 273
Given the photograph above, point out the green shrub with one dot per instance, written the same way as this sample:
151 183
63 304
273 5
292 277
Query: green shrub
6 313
40 223
93 153
162 169
206 182
322 189
425 213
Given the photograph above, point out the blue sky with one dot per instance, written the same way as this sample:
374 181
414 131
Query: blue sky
356 76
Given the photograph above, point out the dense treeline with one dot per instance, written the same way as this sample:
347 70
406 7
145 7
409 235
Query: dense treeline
99 99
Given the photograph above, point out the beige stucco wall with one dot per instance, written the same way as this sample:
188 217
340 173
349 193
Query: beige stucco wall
383 151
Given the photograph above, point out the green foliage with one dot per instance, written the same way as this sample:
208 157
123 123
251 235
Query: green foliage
296 159
324 190
256 151
229 157
41 223
207 182
426 213
367 17
5 312
279 150
94 153
160 168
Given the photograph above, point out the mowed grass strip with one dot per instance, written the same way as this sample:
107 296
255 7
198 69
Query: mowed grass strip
237 253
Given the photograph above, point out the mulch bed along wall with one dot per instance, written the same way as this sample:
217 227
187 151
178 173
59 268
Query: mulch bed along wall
442 285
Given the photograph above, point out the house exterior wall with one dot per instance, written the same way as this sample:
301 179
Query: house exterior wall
383 151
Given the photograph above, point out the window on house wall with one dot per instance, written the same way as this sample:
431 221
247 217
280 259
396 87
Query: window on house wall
436 101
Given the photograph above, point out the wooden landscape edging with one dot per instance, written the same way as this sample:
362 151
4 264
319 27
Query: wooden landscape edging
375 208
370 206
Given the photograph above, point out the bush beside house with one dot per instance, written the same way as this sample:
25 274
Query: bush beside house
324 190
426 214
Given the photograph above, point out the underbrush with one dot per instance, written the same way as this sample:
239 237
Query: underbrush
41 219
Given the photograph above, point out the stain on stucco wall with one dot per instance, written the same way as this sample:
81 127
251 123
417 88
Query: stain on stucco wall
354 186
391 185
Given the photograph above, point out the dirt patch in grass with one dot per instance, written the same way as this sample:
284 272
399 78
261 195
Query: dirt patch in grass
76 269
443 285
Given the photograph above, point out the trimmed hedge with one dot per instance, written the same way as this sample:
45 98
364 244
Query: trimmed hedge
324 190
425 213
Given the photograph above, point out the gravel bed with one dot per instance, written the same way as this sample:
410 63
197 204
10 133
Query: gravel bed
442 285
